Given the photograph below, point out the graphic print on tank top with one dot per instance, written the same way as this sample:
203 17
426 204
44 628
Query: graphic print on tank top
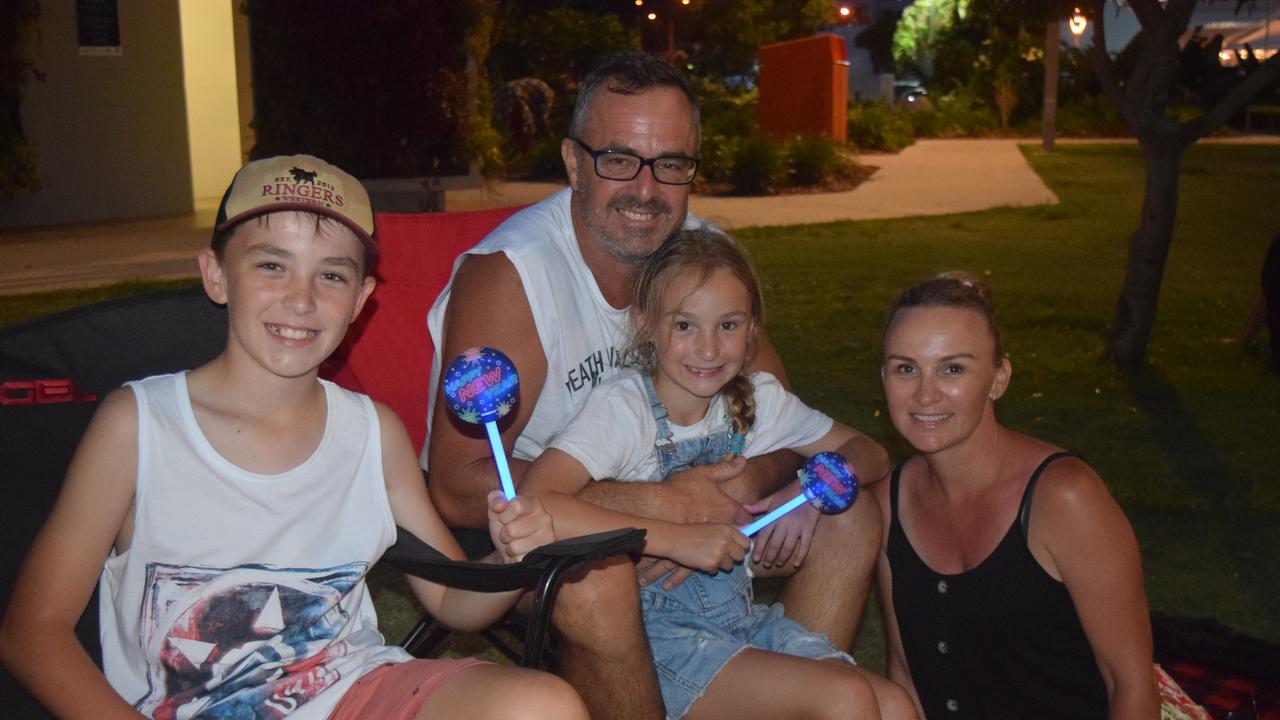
247 641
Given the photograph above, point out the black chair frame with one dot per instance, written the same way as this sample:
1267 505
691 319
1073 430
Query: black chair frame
541 571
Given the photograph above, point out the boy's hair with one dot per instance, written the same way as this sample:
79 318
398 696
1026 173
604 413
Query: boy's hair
702 251
955 289
628 72
323 224
302 183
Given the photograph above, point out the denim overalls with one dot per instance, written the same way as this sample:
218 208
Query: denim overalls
698 627
724 598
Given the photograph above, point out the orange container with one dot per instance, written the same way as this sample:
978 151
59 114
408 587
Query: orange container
804 88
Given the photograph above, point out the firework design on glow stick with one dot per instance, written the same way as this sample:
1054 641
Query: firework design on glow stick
480 387
827 481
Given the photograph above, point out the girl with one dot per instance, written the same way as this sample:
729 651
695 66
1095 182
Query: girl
1009 578
697 314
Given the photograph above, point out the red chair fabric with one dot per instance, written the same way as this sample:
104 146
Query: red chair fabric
387 352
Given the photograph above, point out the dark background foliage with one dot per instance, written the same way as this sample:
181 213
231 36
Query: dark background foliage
378 88
17 34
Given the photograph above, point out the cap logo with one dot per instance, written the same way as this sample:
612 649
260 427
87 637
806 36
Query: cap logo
298 182
319 192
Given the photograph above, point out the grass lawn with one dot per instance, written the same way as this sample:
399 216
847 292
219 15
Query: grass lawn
1184 446
16 308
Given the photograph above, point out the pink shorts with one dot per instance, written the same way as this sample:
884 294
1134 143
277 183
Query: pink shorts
396 691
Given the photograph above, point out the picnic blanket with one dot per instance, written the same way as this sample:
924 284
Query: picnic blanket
1232 675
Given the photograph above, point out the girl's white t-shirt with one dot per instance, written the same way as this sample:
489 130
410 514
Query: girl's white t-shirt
614 434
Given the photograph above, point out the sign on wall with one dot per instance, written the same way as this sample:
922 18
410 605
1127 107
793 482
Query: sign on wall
98 27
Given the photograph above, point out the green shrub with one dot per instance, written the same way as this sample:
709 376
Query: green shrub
724 110
542 162
1089 116
878 126
759 166
813 160
717 153
959 113
926 121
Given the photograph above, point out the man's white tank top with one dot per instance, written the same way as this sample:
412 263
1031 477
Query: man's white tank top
582 335
243 595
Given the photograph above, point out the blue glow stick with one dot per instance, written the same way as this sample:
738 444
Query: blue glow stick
778 512
480 387
827 482
500 459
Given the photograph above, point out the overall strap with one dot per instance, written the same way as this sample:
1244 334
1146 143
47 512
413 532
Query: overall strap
1024 509
659 413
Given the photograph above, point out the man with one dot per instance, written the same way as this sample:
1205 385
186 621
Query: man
550 288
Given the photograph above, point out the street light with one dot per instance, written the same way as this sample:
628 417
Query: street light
1077 24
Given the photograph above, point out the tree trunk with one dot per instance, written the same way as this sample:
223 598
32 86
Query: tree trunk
1049 118
1148 250
1142 99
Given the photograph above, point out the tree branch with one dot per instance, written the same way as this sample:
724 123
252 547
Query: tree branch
1103 68
1266 74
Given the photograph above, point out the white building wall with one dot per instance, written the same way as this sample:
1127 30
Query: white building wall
213 120
110 132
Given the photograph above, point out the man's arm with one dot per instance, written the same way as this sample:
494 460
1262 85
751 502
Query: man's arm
487 307
695 495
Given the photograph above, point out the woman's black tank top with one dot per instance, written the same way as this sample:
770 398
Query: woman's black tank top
1000 641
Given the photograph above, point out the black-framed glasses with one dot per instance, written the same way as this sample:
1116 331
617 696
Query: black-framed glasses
619 165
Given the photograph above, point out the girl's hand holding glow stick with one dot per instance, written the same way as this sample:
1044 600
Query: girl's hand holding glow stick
481 386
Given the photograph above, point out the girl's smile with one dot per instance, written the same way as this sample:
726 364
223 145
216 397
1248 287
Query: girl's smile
702 342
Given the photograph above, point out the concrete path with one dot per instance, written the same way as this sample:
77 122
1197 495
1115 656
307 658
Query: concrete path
932 177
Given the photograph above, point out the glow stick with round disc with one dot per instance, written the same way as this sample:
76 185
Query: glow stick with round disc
480 386
827 482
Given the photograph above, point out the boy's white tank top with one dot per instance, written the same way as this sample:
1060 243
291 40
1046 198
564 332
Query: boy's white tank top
244 594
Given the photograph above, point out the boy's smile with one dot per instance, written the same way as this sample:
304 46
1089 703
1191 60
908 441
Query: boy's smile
292 286
291 333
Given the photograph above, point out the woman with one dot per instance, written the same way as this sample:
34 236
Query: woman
1010 578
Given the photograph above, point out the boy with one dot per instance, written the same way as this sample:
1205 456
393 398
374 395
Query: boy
230 513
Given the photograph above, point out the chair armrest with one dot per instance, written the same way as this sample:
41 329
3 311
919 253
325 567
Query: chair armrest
545 568
413 556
